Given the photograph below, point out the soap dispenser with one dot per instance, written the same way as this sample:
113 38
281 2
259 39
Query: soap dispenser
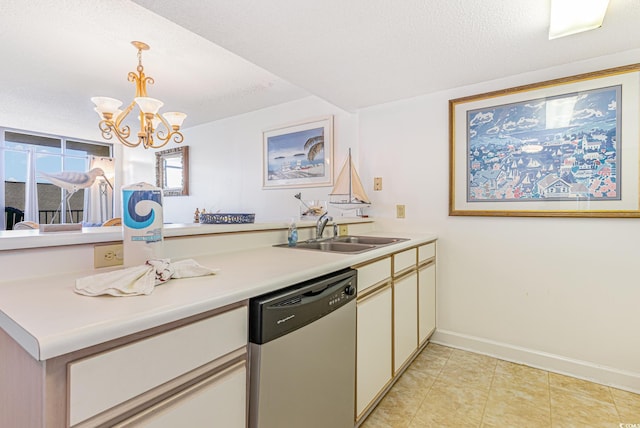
292 236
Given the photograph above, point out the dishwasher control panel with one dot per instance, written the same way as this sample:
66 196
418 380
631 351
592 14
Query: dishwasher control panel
282 311
339 297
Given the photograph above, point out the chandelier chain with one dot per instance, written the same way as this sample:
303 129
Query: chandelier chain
140 67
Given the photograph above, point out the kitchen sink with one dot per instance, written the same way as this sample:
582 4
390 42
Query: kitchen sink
345 244
331 246
372 240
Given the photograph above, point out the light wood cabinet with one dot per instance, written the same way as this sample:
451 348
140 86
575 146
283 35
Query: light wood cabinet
396 316
218 400
374 334
404 260
373 370
102 381
426 301
405 319
373 273
188 367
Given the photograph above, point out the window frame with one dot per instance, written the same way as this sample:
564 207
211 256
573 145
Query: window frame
65 158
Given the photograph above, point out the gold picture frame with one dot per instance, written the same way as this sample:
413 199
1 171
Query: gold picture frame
566 147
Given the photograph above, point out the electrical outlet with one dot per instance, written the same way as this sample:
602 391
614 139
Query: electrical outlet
107 255
400 211
343 230
377 183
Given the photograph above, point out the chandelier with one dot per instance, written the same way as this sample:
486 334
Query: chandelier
155 130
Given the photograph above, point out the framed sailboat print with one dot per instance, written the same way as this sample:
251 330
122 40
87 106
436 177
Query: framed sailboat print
298 155
565 148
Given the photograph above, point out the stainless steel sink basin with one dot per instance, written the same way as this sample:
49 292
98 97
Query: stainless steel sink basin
372 240
345 244
332 246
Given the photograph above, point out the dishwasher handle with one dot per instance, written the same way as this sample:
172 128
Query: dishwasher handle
315 291
322 289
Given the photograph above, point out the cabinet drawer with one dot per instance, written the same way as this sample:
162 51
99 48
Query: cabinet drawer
219 400
373 273
426 252
404 260
102 381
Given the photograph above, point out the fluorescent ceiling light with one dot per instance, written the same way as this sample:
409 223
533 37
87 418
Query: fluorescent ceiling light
574 16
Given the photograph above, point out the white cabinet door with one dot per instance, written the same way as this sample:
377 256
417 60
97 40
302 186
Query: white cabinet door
426 301
217 401
374 369
103 381
405 333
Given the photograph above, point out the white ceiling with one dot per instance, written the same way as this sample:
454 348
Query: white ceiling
218 58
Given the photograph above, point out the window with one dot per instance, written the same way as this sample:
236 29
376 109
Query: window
49 154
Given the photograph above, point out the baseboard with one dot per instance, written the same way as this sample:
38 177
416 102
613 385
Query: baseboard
609 376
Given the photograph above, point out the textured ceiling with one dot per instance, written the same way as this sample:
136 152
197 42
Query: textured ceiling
358 53
56 55
219 58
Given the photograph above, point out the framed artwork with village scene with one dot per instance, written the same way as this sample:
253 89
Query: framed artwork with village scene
299 155
566 147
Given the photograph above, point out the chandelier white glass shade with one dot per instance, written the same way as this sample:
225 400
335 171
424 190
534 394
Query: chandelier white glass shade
156 130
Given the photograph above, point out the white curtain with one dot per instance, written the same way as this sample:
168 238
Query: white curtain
3 220
31 189
98 199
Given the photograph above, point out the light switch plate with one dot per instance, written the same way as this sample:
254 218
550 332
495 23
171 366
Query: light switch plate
377 183
400 211
107 255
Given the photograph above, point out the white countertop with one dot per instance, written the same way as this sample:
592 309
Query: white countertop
22 239
49 319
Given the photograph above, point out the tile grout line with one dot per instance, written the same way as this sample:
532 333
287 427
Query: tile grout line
429 390
493 376
615 404
550 405
413 417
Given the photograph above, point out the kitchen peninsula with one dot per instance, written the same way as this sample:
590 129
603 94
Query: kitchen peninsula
49 330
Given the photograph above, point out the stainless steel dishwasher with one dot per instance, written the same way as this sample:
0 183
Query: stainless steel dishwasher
303 353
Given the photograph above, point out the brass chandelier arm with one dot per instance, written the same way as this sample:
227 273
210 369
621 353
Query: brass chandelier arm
175 135
109 130
112 118
124 131
141 81
161 135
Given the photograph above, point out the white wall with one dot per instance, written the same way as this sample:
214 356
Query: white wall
558 293
226 163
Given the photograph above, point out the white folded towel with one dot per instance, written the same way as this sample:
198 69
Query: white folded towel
138 280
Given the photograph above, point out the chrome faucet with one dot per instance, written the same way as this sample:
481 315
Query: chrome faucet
321 223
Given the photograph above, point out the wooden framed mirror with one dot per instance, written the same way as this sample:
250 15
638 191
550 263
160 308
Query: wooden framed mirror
172 171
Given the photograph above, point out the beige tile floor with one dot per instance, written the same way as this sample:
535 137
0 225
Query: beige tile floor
446 387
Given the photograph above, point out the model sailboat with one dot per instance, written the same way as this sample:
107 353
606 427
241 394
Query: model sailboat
348 192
